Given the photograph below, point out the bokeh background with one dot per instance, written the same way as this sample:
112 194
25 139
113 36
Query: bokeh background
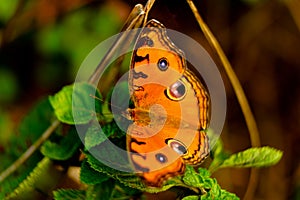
43 42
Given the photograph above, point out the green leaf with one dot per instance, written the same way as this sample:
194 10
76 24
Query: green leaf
203 172
113 153
217 193
191 178
76 104
126 178
200 180
120 95
192 197
218 155
65 148
89 176
207 185
117 100
96 134
38 181
254 157
228 196
131 179
124 192
102 191
100 167
68 194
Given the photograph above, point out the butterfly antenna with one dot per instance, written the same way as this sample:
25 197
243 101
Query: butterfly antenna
103 101
123 113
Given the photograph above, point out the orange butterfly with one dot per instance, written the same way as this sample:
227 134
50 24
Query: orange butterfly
171 109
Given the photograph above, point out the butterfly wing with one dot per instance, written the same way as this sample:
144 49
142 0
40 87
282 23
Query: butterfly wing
151 157
171 109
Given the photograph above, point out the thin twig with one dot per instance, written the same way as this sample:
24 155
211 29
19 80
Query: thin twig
136 19
147 8
249 118
12 168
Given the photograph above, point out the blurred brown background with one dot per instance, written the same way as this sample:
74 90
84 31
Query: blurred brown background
43 42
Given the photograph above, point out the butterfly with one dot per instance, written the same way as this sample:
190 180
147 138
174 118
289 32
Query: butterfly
171 109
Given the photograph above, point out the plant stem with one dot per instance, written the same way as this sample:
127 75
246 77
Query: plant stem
294 6
12 168
136 19
249 118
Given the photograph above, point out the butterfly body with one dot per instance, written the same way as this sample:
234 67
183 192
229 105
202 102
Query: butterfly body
171 109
